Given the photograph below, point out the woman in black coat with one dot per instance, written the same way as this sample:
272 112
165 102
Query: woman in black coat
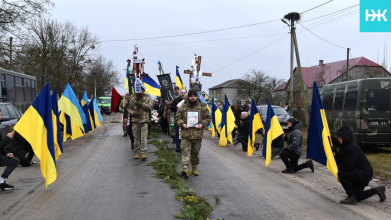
244 130
354 169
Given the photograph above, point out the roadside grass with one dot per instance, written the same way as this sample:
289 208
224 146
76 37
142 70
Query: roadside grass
115 122
194 206
379 157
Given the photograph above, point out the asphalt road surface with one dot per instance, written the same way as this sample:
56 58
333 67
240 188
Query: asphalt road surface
99 179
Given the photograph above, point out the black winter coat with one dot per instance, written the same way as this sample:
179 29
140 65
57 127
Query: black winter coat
352 158
244 127
173 107
3 143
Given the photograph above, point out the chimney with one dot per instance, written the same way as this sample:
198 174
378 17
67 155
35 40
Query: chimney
320 62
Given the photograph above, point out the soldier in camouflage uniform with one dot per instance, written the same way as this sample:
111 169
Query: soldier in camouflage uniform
192 137
140 117
123 108
167 116
177 93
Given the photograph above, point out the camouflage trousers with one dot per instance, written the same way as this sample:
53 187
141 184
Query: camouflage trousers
191 151
124 128
140 133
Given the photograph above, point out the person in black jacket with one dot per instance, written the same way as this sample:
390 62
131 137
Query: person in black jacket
6 159
291 154
277 144
20 147
244 130
354 169
174 109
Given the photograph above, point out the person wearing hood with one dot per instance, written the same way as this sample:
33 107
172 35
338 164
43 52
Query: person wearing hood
127 118
243 130
192 136
354 169
291 154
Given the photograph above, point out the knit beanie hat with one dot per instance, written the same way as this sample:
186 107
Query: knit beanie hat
192 92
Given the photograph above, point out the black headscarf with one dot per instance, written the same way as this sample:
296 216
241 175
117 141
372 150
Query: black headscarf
346 134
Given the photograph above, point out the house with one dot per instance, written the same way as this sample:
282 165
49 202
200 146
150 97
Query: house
327 73
230 88
206 97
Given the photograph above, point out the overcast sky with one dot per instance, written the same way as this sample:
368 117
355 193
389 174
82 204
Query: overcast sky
124 19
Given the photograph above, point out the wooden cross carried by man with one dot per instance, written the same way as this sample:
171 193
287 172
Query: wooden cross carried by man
196 63
138 71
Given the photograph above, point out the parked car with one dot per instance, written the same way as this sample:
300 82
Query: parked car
280 113
9 117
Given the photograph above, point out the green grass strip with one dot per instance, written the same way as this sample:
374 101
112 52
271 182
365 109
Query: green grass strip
194 206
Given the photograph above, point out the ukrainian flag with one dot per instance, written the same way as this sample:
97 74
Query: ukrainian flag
255 125
98 117
227 124
91 112
36 126
66 126
72 129
151 86
179 81
272 131
56 126
318 145
216 119
84 107
69 105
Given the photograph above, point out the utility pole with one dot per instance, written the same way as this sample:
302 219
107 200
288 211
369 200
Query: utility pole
291 95
347 67
10 63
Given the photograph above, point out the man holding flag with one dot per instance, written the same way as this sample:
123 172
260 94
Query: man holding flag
291 154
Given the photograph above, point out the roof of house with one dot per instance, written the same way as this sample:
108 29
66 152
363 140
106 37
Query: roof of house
332 71
233 83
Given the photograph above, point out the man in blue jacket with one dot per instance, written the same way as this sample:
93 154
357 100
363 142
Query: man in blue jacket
290 155
6 159
354 169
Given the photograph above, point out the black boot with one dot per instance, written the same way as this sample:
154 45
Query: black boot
173 140
132 146
350 200
380 191
310 165
289 171
125 134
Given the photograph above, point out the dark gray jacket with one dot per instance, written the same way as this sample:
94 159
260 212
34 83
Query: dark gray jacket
3 143
295 139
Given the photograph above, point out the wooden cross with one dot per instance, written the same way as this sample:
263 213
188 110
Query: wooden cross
137 67
198 70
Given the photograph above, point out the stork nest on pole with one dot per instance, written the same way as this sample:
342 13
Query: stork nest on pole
292 16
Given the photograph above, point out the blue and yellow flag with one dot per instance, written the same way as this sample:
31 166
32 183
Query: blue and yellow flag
216 119
151 87
84 100
36 126
69 105
92 115
179 81
227 124
65 120
255 125
56 126
272 131
318 145
98 117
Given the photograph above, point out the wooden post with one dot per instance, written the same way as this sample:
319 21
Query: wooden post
10 63
291 95
347 67
303 95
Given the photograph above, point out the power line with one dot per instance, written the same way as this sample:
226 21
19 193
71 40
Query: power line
328 19
155 45
338 12
315 48
322 38
316 7
181 35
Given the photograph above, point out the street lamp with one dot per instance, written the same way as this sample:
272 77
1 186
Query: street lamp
94 73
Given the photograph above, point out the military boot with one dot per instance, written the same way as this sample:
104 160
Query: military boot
194 170
137 156
350 200
143 156
380 191
185 171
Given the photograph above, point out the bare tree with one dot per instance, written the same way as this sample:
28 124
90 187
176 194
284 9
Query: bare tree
320 79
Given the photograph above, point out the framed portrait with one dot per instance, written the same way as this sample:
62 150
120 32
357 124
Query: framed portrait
192 119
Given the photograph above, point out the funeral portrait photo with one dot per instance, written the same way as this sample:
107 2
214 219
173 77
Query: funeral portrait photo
192 119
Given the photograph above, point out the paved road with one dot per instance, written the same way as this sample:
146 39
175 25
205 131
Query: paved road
99 179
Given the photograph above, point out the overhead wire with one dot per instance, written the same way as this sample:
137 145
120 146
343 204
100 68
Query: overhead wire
316 7
338 12
315 48
321 37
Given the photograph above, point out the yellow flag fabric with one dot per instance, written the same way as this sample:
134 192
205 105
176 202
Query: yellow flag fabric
272 131
255 125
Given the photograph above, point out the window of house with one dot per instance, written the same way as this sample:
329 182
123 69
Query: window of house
338 101
351 101
328 101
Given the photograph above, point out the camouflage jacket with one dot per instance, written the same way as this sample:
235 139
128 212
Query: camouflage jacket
167 111
204 118
123 104
144 110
